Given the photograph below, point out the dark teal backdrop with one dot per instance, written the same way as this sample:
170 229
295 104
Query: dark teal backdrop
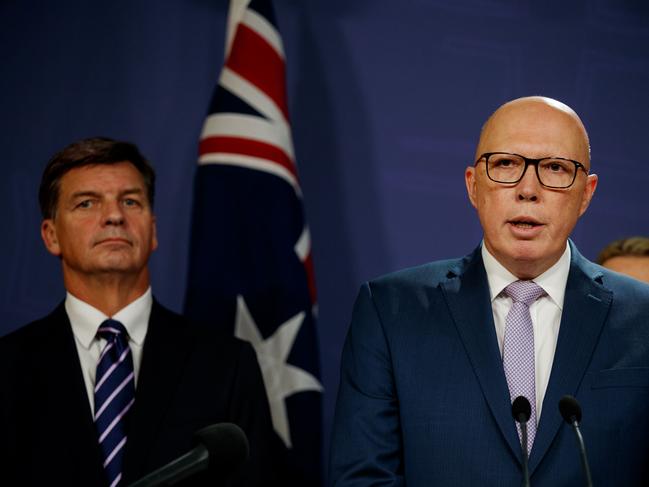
386 97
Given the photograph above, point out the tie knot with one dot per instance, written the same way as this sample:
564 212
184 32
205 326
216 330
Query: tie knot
111 330
525 292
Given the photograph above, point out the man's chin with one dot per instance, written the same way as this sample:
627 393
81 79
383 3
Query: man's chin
519 251
527 250
115 264
531 259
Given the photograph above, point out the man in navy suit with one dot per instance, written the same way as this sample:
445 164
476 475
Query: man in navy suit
96 197
432 359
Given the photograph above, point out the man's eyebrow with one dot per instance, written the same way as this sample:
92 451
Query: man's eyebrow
82 194
96 194
132 191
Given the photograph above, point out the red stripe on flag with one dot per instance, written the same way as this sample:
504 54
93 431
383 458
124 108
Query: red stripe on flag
310 277
247 147
254 59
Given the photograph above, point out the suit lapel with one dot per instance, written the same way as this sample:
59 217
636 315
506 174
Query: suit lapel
586 306
163 357
467 295
68 397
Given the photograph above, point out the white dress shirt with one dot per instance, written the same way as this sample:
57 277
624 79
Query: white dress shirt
85 321
545 312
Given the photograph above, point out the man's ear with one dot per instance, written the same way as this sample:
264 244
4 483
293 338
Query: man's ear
589 191
470 181
154 239
50 239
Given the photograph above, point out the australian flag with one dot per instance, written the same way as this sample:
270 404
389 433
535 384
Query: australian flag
250 267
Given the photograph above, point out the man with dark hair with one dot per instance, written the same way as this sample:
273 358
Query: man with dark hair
435 355
111 385
628 256
92 151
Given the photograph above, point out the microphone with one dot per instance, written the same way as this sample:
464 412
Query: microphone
222 447
521 411
571 412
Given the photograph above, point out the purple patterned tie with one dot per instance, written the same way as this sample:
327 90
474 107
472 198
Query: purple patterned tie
518 349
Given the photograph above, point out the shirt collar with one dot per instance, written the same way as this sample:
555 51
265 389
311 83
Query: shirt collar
85 319
553 281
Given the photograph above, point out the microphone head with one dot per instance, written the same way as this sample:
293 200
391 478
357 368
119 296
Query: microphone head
521 409
226 443
570 409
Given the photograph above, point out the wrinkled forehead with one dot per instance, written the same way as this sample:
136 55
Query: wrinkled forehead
115 177
535 129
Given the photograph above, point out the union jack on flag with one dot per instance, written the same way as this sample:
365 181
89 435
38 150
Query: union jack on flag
250 268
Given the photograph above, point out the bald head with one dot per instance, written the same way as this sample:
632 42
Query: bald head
519 122
526 224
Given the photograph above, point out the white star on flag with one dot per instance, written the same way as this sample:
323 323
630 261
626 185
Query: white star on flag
281 378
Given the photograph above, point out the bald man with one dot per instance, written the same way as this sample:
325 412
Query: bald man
436 354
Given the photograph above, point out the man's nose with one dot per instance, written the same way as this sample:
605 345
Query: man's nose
529 187
113 213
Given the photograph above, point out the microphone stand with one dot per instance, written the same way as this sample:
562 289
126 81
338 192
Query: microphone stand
582 451
526 472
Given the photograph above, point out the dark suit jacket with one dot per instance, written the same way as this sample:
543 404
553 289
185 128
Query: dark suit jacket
190 377
423 399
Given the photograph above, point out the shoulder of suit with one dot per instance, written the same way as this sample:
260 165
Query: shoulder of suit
622 285
196 331
430 274
38 329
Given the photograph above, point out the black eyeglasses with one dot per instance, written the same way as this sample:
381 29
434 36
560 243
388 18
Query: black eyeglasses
552 172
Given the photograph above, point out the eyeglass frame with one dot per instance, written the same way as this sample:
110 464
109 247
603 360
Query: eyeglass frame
535 163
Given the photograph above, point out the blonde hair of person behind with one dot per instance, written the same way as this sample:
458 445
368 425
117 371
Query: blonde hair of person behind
635 246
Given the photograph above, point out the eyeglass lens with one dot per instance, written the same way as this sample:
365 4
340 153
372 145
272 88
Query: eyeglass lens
508 168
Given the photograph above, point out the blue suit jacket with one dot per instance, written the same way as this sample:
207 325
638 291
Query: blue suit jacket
423 399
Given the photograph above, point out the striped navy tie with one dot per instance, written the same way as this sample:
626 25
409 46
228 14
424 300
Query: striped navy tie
114 396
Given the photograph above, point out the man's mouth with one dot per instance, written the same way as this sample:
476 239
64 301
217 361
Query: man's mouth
524 223
113 240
